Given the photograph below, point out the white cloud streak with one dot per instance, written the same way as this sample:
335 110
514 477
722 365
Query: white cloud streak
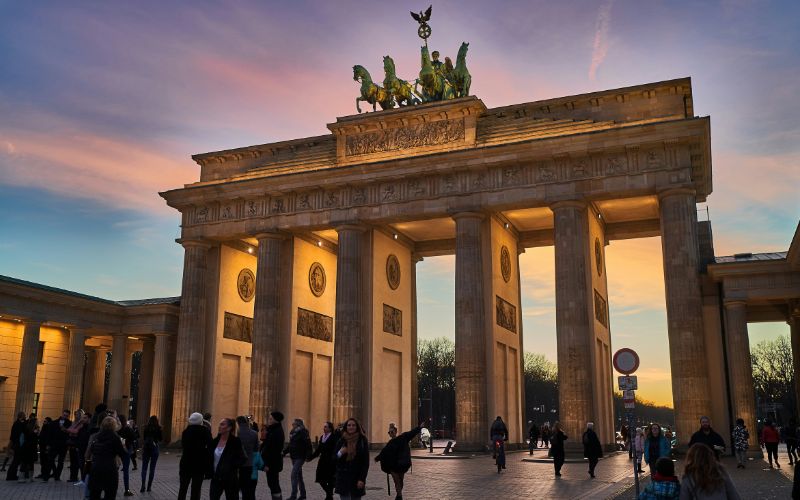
600 46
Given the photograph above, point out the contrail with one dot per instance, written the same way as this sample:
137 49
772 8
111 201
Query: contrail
600 38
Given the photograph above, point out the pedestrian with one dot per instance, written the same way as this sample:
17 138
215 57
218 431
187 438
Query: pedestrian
623 432
770 438
28 443
45 457
499 435
102 453
665 485
84 434
73 446
225 458
557 447
638 448
425 437
136 437
395 457
152 437
352 461
708 437
249 439
704 478
592 449
326 466
789 436
126 434
271 452
17 430
298 449
546 433
533 437
741 438
655 447
195 442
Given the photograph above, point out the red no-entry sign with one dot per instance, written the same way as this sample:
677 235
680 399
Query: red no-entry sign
626 361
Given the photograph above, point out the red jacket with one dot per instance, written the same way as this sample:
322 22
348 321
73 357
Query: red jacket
770 435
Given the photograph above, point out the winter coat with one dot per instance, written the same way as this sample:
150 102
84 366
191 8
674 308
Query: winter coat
229 463
17 428
557 443
591 445
349 473
126 433
105 448
498 429
272 446
152 436
727 491
326 467
57 438
711 440
533 433
741 436
663 448
770 435
195 440
299 446
638 444
27 446
396 455
249 439
662 488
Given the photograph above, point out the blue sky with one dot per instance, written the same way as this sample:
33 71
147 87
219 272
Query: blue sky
102 104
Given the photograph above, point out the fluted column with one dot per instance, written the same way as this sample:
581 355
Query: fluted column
158 390
188 392
145 387
679 245
349 373
95 378
574 335
471 389
794 328
26 382
73 377
740 367
116 382
265 380
414 361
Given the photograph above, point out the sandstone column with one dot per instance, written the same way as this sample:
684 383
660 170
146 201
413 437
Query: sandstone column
265 380
414 361
161 371
794 328
73 377
116 382
472 422
145 388
26 382
679 245
349 371
740 367
573 324
95 379
188 392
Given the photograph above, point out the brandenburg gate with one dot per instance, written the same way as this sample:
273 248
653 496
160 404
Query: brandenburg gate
299 284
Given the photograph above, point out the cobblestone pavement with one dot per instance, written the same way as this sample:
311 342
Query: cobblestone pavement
446 478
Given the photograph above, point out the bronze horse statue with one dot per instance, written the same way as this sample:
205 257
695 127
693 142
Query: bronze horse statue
401 90
459 76
370 92
435 86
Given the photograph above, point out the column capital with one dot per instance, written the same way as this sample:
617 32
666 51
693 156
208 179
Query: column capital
467 215
415 257
677 191
574 204
270 235
194 242
351 226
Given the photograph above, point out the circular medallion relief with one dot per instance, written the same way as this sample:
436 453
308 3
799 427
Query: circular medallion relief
598 256
393 271
505 263
246 284
316 279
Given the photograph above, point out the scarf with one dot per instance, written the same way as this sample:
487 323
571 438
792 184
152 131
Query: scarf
325 437
351 440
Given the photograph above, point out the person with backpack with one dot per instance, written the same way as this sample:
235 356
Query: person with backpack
299 450
395 457
326 467
499 436
665 484
741 436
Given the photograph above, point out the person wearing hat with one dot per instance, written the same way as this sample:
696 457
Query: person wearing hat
272 452
194 442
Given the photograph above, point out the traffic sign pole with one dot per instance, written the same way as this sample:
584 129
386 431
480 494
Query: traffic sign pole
626 361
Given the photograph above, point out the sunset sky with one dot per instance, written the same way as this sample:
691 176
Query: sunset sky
102 104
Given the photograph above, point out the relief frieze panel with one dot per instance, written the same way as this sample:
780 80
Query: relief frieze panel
408 137
314 325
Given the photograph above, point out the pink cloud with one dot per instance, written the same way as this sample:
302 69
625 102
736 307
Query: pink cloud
600 45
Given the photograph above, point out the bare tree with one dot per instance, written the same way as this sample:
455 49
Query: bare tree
773 375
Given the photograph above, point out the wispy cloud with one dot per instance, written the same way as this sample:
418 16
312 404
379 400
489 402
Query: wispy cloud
600 46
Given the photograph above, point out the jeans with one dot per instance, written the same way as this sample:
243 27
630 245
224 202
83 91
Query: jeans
297 477
772 451
149 457
126 476
741 457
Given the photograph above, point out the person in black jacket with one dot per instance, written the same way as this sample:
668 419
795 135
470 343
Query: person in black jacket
152 436
29 443
271 452
352 461
17 428
592 449
708 437
45 442
104 478
195 442
533 437
326 467
58 444
499 435
298 449
225 456
557 447
126 433
395 457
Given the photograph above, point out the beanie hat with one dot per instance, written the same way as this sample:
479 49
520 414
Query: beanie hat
195 419
278 416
